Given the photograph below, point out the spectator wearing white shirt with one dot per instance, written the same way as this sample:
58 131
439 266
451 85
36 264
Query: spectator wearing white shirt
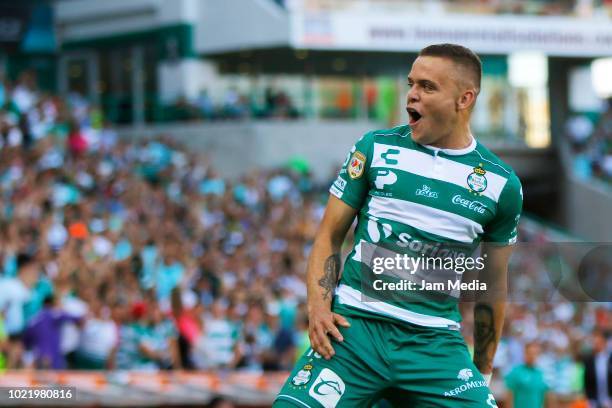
14 294
99 336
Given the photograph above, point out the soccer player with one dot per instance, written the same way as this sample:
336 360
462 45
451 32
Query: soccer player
421 187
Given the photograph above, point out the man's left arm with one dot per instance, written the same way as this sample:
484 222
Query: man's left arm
499 236
490 307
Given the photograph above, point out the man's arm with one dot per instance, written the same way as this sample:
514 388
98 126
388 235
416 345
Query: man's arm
550 400
490 307
509 400
322 275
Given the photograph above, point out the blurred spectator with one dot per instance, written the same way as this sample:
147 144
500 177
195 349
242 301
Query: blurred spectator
280 355
98 339
162 339
25 93
602 144
14 295
526 385
187 311
598 372
204 102
134 350
215 347
42 336
77 145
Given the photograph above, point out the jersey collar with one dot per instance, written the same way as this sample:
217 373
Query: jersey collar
454 152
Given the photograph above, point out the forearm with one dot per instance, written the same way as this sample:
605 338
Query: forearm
509 401
490 308
550 400
488 325
323 271
322 276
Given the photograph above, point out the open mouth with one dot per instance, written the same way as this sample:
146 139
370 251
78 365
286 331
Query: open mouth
413 116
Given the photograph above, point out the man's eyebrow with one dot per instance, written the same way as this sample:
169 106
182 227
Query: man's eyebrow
423 81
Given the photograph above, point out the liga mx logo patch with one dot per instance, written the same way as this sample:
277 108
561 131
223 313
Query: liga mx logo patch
476 181
356 165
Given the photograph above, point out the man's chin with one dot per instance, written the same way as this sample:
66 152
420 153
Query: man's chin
417 137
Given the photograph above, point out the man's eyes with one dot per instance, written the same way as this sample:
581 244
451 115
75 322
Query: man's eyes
425 86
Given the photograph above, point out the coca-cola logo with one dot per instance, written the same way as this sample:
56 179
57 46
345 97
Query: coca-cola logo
476 206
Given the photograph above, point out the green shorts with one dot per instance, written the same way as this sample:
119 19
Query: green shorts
406 365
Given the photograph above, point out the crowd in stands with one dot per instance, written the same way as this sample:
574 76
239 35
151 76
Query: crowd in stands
234 105
125 254
592 145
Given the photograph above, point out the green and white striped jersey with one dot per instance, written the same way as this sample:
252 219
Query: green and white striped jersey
415 197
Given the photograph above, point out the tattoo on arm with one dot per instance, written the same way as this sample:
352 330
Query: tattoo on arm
330 275
484 334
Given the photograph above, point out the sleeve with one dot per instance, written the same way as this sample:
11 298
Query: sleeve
352 184
503 228
63 317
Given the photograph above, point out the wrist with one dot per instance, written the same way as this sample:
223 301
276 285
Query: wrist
318 306
488 377
483 365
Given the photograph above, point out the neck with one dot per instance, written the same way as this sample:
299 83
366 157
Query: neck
460 138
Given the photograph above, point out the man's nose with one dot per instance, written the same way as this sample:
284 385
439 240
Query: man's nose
413 95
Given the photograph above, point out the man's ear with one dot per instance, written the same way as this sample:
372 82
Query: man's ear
467 99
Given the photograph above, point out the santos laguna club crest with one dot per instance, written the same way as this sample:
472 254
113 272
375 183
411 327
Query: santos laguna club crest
477 180
356 165
303 376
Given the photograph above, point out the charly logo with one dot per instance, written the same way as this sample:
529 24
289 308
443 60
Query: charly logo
491 401
390 152
475 206
426 191
327 388
476 181
465 374
385 177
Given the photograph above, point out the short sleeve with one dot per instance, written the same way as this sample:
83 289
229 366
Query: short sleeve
503 228
352 185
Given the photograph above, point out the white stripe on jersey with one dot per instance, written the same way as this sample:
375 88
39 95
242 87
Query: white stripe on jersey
425 218
353 297
422 164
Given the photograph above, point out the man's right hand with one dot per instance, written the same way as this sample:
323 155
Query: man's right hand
322 323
